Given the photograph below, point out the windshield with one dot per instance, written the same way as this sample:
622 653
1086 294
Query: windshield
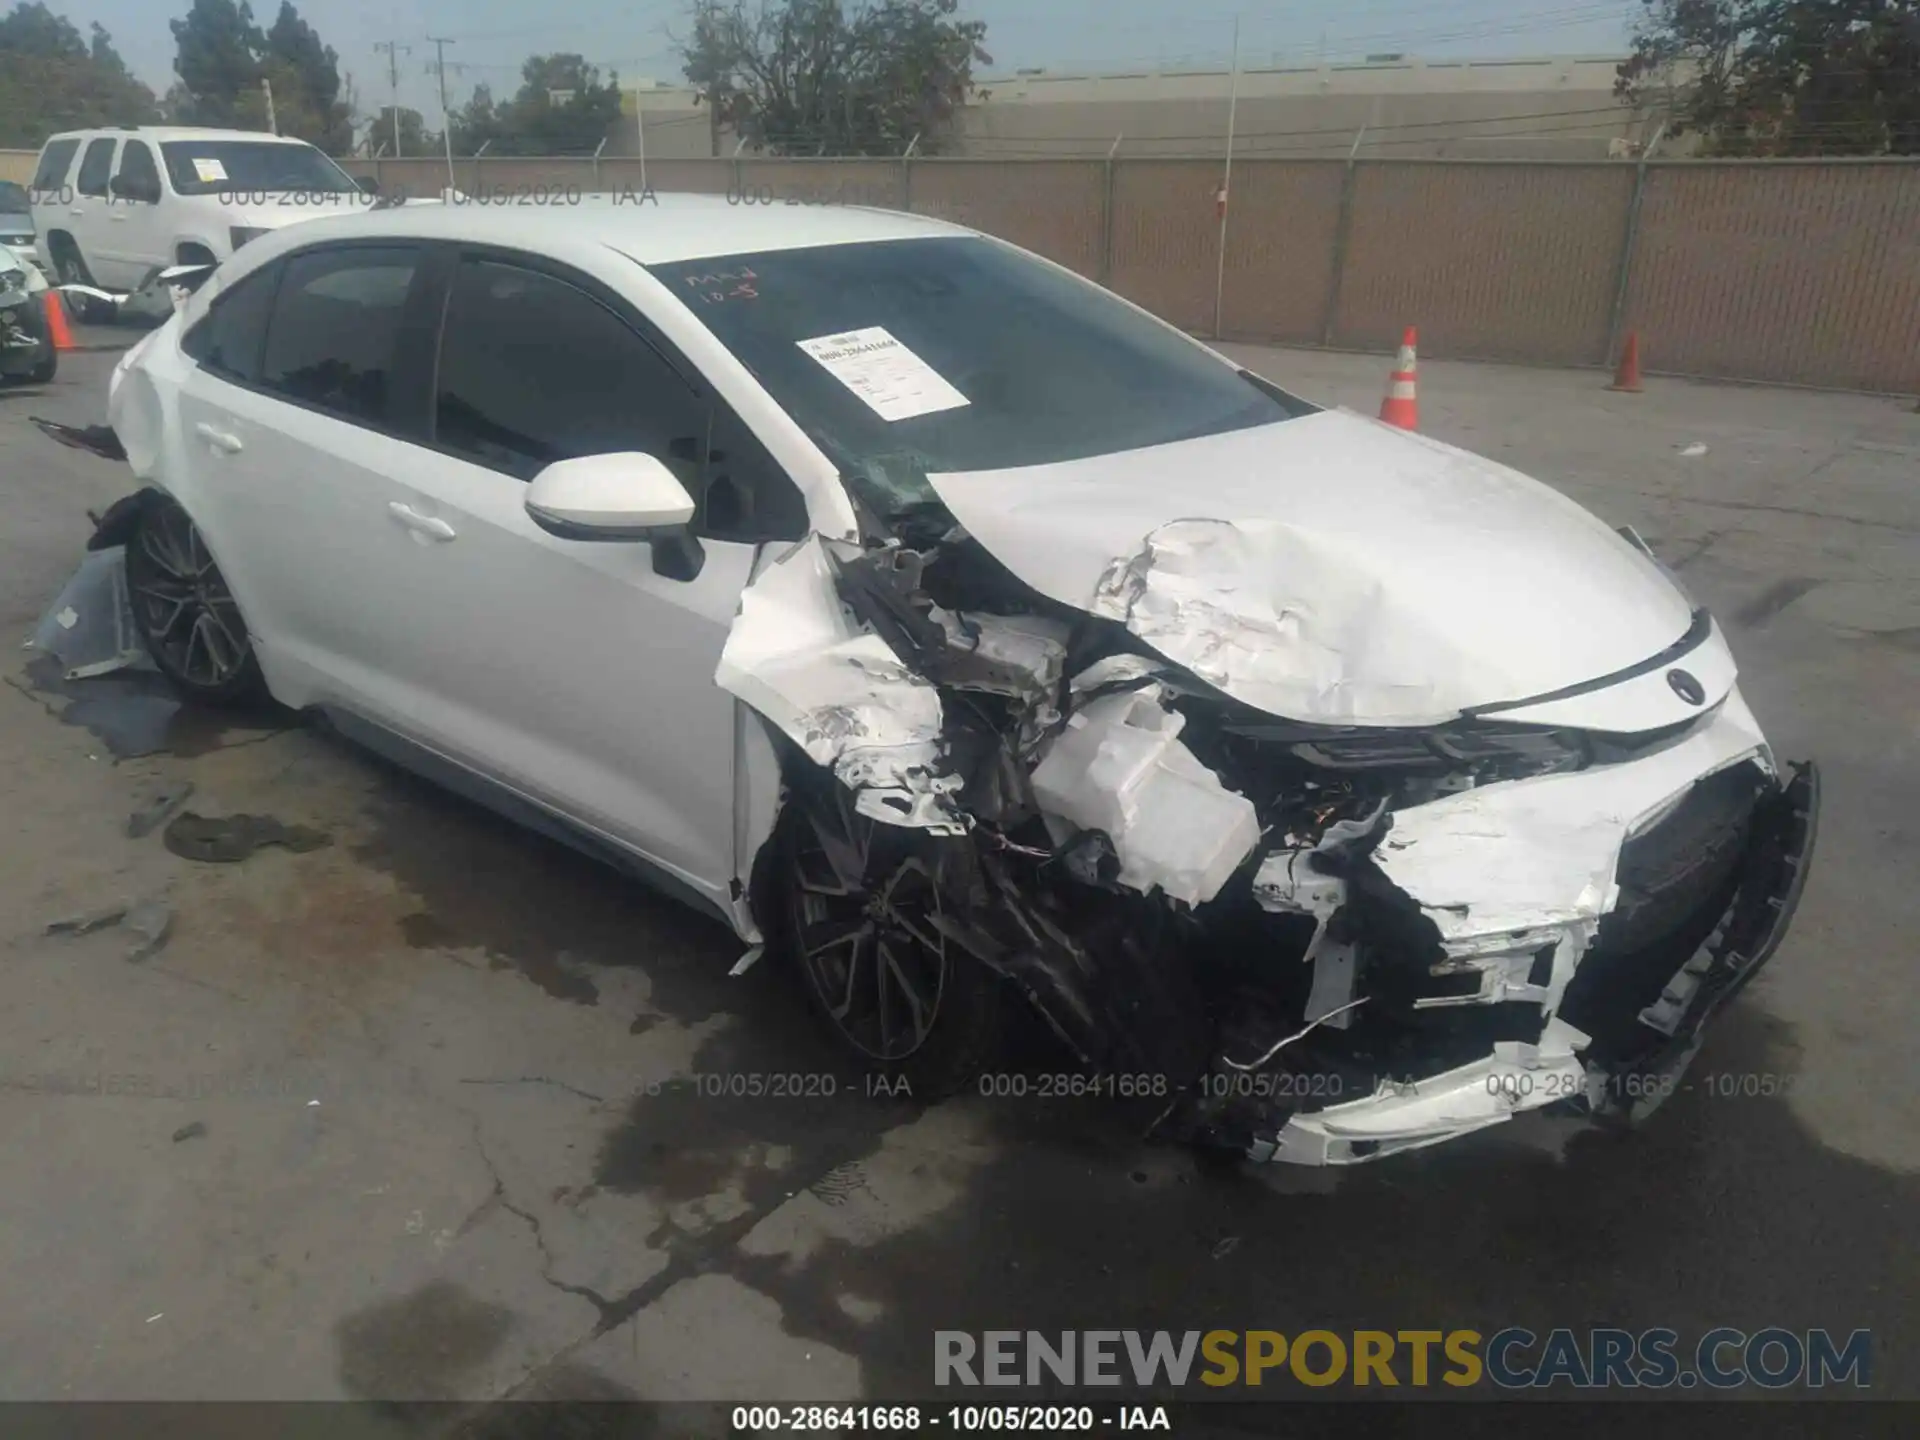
13 199
211 167
905 357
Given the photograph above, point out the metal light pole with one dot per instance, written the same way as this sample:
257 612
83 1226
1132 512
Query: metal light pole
1226 180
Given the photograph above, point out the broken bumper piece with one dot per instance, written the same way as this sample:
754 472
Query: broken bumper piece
1562 1071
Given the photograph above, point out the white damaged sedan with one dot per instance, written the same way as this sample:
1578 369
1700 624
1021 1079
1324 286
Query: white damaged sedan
971 638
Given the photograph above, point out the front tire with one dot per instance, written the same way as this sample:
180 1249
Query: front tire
186 615
854 903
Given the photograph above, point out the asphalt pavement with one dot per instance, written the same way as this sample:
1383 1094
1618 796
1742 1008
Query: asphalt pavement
464 1129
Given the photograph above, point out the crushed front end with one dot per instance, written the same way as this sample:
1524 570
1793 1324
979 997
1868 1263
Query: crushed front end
25 346
1331 942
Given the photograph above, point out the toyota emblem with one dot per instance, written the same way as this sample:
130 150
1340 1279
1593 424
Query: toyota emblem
1686 687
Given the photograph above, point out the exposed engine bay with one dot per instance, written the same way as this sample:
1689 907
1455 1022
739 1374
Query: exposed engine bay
1334 941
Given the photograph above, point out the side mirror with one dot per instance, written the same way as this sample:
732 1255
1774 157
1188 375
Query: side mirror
624 496
368 185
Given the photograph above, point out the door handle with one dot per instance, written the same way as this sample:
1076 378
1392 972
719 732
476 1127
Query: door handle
219 439
120 217
427 525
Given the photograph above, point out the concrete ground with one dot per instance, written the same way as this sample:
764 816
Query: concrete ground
453 1141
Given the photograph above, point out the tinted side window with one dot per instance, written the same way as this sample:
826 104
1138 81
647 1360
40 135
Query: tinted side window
138 173
227 340
336 329
95 166
534 370
55 160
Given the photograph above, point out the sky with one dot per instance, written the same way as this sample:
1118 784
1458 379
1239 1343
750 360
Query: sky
637 37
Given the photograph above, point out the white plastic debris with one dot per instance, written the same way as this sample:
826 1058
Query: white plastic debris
797 657
1119 768
89 626
1693 451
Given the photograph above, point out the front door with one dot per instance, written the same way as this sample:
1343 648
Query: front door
134 244
576 670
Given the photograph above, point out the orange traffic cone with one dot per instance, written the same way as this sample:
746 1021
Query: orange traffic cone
1626 379
57 329
1402 405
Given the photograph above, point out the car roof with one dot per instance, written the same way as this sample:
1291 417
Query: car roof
173 132
651 229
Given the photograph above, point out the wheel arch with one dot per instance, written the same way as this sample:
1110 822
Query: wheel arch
117 523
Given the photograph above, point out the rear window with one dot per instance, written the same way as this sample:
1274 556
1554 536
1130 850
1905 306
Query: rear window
904 357
55 161
210 167
335 330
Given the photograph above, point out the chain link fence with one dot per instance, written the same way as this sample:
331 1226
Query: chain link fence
1797 272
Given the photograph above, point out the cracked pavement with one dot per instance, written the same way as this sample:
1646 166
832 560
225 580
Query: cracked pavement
469 1131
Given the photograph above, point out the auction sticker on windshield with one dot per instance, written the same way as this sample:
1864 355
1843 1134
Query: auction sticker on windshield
209 171
894 381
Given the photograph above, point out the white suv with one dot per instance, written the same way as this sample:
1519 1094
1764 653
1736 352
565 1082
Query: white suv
113 206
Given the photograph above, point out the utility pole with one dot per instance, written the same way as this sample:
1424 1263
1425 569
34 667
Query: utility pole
440 44
266 88
394 51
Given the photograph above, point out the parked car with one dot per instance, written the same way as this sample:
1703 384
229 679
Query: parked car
971 637
113 206
26 347
16 221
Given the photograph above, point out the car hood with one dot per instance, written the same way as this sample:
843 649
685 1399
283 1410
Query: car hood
1333 569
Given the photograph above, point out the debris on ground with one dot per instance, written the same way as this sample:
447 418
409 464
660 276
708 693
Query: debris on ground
89 626
157 808
189 1132
1693 451
150 921
225 839
88 921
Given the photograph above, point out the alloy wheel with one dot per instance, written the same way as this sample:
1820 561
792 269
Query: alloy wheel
185 606
870 949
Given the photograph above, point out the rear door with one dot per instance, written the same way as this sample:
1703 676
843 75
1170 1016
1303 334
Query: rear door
300 429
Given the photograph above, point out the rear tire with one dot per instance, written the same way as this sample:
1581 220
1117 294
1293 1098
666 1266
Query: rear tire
186 616
43 373
852 898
